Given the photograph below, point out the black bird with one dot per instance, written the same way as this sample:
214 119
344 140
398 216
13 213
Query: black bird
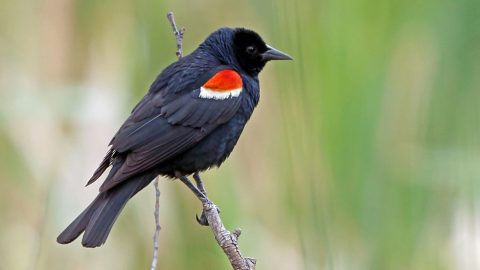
189 121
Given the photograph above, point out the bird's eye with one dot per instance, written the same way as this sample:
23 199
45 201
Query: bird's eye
251 49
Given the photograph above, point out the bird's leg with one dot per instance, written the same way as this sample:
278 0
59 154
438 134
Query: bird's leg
202 220
199 192
199 182
202 197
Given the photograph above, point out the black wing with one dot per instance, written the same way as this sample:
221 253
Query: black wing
164 124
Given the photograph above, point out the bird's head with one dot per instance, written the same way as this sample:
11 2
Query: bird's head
242 48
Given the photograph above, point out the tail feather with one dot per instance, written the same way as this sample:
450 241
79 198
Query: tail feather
98 218
103 166
80 223
101 222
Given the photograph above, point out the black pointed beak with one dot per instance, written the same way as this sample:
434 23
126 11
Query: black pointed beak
274 54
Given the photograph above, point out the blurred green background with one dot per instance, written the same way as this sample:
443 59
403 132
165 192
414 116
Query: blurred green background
364 152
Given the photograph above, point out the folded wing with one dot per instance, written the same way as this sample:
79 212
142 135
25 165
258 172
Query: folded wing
163 125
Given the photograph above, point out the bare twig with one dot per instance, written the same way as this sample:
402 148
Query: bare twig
156 236
178 34
226 240
179 38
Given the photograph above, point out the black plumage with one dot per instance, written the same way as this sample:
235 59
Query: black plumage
173 130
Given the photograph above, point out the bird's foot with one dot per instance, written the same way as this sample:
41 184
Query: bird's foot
200 193
202 220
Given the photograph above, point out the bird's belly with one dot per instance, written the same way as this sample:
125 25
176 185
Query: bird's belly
209 152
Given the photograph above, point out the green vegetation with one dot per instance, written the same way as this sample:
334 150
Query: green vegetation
364 152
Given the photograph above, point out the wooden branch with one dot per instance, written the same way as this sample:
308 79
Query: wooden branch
226 240
156 235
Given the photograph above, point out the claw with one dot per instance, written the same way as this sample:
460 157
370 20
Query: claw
202 220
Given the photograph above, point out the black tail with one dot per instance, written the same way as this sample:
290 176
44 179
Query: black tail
98 218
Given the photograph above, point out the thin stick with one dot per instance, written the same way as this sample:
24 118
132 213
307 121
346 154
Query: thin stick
178 34
226 240
156 236
179 40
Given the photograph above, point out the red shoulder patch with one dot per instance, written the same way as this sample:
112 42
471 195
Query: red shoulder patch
224 80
